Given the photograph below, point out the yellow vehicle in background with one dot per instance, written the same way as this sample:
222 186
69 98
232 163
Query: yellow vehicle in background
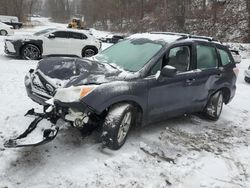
77 23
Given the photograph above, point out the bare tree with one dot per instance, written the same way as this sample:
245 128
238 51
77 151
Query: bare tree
248 20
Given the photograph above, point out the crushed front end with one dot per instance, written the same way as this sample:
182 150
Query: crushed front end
58 103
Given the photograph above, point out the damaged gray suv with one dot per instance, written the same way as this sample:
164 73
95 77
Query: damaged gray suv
143 79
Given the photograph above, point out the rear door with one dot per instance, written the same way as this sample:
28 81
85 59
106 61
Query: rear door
208 74
59 45
77 43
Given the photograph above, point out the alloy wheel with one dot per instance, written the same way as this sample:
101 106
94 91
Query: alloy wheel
89 53
124 127
31 52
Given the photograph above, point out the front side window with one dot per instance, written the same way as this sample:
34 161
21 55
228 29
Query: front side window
225 59
179 57
206 57
130 55
42 32
61 34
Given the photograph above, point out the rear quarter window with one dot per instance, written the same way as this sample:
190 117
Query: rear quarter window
224 56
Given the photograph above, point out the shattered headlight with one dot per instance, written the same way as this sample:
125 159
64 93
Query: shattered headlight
73 94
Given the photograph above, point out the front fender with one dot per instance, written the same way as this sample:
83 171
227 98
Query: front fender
106 95
38 43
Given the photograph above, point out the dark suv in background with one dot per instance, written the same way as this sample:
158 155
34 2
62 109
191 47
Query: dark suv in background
144 79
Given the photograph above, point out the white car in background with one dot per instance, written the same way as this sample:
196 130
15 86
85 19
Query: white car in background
247 75
6 29
53 42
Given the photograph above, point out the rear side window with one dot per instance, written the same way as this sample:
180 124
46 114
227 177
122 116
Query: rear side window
77 35
206 57
61 34
225 59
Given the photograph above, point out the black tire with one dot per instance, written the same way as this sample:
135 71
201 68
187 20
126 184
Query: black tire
31 52
214 106
247 79
117 124
3 32
89 52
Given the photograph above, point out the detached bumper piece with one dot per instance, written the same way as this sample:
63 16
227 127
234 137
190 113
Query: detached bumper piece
35 135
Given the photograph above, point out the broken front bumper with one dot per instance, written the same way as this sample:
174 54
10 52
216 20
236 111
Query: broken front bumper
36 89
36 134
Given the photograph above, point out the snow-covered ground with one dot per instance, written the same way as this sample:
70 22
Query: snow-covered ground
186 152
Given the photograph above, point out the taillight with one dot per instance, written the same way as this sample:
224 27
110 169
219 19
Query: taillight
236 71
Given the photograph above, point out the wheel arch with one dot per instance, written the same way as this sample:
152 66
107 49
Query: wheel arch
225 92
30 43
137 109
38 44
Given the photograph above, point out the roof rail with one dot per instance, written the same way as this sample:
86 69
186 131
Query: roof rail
171 33
186 36
203 37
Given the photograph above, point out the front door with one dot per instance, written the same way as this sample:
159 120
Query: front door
59 45
171 96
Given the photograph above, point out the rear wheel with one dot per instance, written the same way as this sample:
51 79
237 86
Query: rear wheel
88 52
3 32
214 107
117 124
30 52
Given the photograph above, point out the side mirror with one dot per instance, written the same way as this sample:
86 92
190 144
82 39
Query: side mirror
168 71
51 36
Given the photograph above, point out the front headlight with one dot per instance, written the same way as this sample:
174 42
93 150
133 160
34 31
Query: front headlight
73 94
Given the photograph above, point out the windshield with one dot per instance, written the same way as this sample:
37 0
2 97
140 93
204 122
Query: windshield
130 55
42 32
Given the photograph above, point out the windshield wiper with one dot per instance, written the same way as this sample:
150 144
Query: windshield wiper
96 60
113 66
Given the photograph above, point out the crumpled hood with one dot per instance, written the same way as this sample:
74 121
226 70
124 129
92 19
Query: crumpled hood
77 71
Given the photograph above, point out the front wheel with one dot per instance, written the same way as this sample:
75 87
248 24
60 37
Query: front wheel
116 125
3 32
31 52
214 106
